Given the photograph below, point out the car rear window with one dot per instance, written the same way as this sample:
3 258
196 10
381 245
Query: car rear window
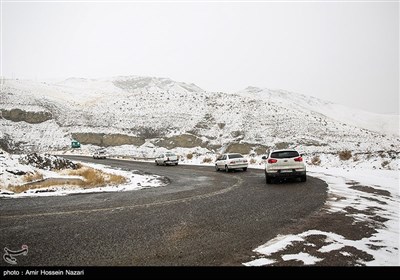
235 156
285 154
169 155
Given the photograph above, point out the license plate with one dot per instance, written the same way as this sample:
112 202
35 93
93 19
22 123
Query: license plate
286 171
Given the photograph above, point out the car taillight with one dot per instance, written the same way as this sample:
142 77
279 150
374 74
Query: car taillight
233 161
298 159
272 160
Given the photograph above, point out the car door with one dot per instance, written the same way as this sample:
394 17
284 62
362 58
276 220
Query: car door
221 162
160 159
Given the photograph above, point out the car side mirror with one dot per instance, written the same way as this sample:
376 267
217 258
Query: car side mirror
302 155
264 157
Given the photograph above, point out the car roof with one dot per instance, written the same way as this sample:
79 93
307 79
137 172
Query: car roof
229 154
284 150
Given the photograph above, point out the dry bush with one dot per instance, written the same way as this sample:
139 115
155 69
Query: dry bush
207 160
97 178
43 184
385 163
31 177
252 161
92 178
315 160
345 155
189 156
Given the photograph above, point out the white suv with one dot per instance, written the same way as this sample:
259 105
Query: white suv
284 164
230 162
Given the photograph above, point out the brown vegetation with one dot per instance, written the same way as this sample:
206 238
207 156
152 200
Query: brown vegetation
316 160
207 160
345 155
32 177
92 178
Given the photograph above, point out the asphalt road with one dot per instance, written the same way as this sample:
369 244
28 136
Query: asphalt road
202 217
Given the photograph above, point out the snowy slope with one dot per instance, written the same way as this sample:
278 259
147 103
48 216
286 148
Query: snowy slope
156 109
388 124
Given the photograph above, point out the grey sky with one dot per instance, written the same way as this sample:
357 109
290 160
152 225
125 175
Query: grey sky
343 52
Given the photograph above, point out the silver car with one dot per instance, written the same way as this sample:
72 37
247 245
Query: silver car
231 161
284 164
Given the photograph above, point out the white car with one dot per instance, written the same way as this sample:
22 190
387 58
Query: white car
231 161
100 154
167 158
284 164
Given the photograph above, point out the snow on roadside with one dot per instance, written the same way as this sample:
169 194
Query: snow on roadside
11 163
369 194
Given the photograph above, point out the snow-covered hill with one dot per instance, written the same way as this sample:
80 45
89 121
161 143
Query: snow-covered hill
148 114
388 124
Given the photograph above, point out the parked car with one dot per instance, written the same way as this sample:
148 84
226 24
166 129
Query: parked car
101 154
167 159
284 164
231 161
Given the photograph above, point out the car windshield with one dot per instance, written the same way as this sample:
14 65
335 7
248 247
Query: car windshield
284 154
235 156
169 154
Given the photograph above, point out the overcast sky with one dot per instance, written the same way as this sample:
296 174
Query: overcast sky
343 52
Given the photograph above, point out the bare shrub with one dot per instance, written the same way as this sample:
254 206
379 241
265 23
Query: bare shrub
316 160
92 178
189 156
97 178
345 155
31 177
207 160
385 163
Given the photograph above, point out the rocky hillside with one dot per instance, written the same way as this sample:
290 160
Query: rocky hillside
148 114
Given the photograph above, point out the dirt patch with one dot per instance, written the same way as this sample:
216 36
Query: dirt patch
107 140
241 148
368 189
183 141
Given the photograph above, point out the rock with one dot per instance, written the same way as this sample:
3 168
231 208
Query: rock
107 140
18 115
48 162
183 141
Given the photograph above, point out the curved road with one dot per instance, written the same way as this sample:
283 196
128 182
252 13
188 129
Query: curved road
201 217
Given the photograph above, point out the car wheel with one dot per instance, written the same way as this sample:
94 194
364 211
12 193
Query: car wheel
244 168
216 168
226 168
156 162
303 178
176 164
268 179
